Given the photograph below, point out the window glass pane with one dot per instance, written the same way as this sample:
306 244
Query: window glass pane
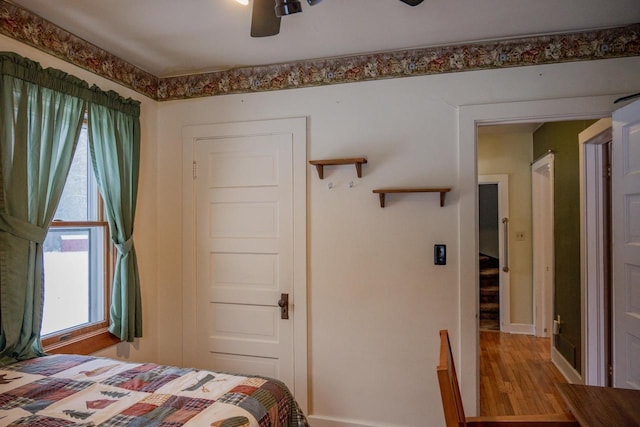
76 203
74 277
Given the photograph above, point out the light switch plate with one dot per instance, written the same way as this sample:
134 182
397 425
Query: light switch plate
440 254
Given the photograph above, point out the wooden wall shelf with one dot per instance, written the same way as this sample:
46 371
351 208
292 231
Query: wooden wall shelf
320 164
383 191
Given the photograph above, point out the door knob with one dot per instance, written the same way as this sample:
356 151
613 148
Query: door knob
283 303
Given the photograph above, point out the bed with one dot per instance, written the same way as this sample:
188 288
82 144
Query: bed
74 390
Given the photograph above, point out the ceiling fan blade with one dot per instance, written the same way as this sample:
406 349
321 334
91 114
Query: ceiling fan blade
412 2
264 22
313 2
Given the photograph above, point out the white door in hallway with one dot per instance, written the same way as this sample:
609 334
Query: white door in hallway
542 184
244 221
626 246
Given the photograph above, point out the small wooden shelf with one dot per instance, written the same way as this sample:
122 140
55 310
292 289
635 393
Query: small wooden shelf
383 191
320 164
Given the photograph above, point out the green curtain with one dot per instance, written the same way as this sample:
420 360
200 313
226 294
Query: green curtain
40 121
114 142
41 113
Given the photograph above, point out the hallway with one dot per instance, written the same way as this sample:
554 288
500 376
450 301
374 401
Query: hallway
517 376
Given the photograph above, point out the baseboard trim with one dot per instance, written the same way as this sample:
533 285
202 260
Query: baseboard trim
322 421
565 368
520 328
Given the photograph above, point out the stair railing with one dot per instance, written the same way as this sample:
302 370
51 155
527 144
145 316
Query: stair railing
505 242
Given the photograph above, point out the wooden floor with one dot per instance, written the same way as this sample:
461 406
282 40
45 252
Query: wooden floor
517 376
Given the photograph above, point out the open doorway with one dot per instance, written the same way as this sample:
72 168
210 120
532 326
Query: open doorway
493 254
504 155
489 257
533 275
471 119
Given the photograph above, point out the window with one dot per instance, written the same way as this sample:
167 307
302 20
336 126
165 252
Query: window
77 264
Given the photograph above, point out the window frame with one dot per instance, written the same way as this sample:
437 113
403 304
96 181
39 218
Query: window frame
88 337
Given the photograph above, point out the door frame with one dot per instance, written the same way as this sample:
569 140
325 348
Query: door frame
469 117
297 128
542 221
502 181
592 250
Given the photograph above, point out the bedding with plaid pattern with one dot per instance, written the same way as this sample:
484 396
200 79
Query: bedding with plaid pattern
73 390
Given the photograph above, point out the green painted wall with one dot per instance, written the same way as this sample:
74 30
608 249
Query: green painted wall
562 139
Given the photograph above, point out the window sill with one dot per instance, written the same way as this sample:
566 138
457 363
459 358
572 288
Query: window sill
83 344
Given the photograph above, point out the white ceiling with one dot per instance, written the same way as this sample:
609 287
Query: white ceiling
173 37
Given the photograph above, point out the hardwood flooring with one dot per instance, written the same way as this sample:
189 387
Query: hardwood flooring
517 376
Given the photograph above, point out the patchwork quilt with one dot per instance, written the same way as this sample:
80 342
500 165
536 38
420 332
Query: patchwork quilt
73 390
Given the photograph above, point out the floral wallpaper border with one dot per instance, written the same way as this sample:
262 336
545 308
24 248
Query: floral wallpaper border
31 29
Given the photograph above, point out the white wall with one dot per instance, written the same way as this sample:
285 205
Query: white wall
376 301
373 288
145 225
511 154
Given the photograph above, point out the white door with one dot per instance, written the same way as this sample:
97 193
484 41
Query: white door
626 246
542 178
247 249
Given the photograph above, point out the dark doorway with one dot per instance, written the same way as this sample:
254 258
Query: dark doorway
489 246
